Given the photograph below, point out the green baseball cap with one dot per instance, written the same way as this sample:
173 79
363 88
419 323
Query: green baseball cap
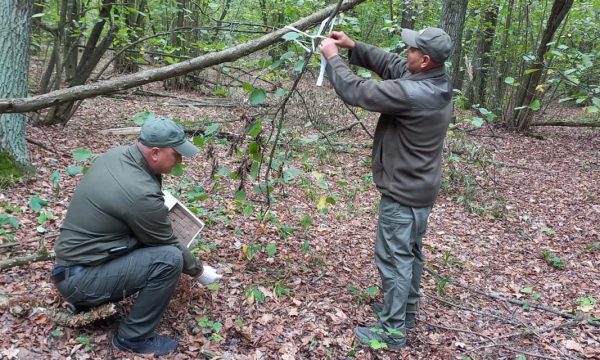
431 41
164 132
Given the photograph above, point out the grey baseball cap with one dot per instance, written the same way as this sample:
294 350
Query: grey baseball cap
164 132
431 41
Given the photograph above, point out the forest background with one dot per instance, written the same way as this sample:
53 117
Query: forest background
284 181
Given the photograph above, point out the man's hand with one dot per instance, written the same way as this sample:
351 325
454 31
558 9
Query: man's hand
209 275
342 40
329 46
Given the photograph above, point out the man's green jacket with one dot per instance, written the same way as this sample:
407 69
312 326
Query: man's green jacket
117 208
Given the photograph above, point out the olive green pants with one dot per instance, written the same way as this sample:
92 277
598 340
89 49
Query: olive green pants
399 259
152 272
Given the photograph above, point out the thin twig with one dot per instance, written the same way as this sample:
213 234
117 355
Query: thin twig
461 330
359 121
35 142
512 301
513 349
503 318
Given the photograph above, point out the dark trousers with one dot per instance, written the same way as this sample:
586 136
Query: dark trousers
399 259
152 272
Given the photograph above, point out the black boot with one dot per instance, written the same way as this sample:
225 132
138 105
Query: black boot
157 345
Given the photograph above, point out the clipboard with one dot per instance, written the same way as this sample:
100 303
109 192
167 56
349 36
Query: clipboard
186 226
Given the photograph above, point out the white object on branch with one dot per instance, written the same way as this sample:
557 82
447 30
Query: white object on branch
313 48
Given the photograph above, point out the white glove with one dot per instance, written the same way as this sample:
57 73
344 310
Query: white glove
209 275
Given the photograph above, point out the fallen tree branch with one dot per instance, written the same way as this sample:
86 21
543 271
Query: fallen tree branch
35 142
61 96
503 318
512 301
42 255
27 305
513 349
461 330
217 102
345 128
568 124
530 331
135 130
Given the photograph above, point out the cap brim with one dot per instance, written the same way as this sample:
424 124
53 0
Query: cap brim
187 149
410 37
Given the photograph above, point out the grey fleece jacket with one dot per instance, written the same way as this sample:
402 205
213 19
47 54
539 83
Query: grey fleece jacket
415 112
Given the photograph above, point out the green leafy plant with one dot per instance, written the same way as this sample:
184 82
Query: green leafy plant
43 218
376 344
553 259
306 221
271 249
548 231
251 250
55 180
36 203
363 295
593 247
449 259
7 225
440 287
210 328
57 332
82 157
255 295
586 304
305 246
87 342
280 290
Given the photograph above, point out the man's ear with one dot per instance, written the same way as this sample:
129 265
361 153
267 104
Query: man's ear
154 153
427 62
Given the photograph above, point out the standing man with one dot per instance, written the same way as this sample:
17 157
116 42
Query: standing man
414 99
117 240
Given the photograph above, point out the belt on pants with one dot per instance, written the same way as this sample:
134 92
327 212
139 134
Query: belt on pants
59 272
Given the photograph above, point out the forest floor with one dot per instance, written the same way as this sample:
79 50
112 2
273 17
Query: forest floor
516 240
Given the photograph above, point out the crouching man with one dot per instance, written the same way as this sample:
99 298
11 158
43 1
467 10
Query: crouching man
117 240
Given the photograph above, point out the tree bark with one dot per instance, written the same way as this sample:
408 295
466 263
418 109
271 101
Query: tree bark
15 17
521 118
94 49
71 40
481 55
453 22
502 61
124 64
408 11
126 82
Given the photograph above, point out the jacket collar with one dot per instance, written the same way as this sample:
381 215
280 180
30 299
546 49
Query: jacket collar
426 75
139 159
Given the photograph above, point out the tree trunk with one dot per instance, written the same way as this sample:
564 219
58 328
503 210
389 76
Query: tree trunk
94 49
481 55
453 22
520 116
408 13
71 39
178 83
15 17
124 64
502 62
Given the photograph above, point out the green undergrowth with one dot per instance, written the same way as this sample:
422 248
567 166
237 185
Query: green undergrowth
10 171
469 176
